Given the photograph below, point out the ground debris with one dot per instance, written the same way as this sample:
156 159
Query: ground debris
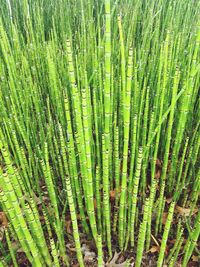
115 261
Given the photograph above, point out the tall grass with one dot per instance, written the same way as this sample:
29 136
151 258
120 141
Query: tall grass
95 97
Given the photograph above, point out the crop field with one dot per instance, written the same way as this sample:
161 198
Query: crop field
99 133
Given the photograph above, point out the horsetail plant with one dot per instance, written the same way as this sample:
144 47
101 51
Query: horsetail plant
99 127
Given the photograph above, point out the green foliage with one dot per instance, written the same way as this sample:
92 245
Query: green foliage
99 122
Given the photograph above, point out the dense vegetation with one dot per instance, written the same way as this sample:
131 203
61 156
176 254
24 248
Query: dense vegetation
99 119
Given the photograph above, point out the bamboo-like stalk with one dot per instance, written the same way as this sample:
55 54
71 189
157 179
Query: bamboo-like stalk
106 195
134 196
142 234
149 219
122 212
165 234
167 146
100 251
176 248
71 203
11 249
190 244
107 72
